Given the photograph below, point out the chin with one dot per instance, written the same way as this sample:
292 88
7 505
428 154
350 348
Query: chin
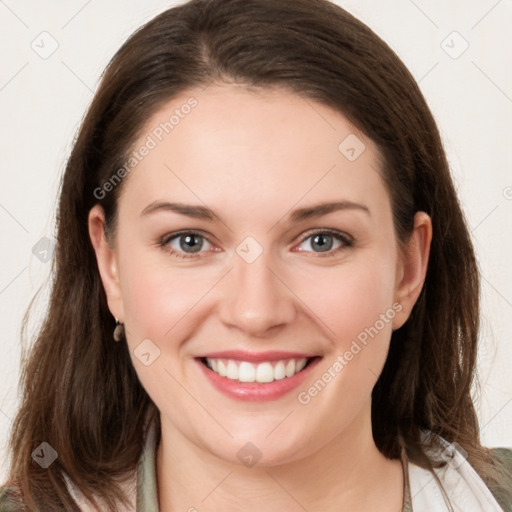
258 452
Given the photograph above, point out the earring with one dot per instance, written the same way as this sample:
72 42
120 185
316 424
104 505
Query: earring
118 331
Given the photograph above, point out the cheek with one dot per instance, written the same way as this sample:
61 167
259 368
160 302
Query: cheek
157 298
358 309
163 301
161 304
350 298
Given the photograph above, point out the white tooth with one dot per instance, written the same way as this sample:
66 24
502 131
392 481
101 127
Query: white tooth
221 368
232 370
290 368
300 364
264 373
279 371
246 372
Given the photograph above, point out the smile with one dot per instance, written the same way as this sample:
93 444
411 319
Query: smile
266 371
256 376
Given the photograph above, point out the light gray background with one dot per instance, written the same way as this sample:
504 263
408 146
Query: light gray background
42 101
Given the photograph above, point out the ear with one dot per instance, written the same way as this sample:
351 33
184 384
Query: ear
412 268
107 262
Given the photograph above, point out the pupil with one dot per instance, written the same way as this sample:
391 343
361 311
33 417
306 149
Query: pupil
323 246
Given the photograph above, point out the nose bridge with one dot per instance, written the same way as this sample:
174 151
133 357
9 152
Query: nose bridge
257 299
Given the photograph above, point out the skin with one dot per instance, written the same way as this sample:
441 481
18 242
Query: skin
252 157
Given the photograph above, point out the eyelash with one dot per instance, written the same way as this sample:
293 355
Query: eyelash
346 240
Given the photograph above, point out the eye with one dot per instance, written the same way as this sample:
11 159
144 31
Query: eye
326 241
190 244
185 244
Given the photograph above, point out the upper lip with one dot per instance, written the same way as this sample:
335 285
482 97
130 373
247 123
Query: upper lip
256 357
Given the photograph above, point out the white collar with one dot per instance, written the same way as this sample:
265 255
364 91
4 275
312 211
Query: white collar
464 487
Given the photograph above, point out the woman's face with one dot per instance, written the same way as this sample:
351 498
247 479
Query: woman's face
292 259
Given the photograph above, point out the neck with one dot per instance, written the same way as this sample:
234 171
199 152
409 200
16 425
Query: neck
347 473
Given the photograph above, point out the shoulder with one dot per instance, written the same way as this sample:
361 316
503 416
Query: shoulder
502 458
503 455
8 501
503 494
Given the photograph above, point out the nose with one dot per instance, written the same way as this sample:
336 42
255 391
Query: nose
256 299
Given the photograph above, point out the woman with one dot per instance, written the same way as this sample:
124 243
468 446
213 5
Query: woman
265 292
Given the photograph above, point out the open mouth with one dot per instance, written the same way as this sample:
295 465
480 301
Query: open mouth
262 372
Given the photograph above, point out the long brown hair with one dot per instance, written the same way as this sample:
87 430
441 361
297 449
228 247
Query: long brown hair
80 390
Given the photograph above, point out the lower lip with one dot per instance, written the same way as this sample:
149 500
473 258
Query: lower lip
256 391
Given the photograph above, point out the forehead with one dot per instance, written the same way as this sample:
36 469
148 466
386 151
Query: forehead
255 148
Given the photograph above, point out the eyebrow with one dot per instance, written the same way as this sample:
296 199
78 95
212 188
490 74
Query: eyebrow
298 215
